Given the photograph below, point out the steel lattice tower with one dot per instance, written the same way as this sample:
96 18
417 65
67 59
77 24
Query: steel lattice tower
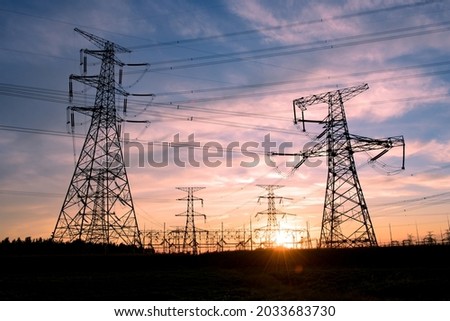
98 206
346 221
190 233
273 227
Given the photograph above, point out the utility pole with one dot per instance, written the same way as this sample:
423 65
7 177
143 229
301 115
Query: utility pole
346 221
272 227
190 234
98 206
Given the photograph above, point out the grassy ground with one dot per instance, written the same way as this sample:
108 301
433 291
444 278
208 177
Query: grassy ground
415 273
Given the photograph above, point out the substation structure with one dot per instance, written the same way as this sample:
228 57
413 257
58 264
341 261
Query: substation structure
192 240
219 240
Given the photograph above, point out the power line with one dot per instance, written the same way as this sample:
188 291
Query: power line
212 121
293 46
59 21
348 41
417 199
283 91
302 80
36 54
37 131
232 34
280 27
61 97
30 193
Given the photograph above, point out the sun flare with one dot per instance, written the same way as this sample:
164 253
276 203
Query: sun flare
283 239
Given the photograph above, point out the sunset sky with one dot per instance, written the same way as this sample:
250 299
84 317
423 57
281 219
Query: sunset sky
226 72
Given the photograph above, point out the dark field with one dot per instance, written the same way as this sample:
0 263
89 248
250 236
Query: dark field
385 273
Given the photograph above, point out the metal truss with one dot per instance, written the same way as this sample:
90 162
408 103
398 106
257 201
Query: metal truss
190 242
346 221
98 206
272 229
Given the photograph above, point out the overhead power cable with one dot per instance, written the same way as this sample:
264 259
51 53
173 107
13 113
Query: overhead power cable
58 96
37 131
302 80
348 41
296 90
285 26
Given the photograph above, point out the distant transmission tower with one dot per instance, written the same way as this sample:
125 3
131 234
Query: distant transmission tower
346 221
190 233
272 229
98 206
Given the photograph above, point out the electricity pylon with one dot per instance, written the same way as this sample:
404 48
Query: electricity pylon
190 233
272 229
346 221
98 206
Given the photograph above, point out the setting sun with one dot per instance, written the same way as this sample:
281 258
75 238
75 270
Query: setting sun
284 239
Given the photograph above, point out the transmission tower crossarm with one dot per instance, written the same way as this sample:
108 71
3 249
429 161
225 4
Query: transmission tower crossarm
142 95
272 186
330 97
281 198
137 121
195 213
94 81
193 189
137 64
87 80
274 211
361 144
190 197
83 110
342 94
101 42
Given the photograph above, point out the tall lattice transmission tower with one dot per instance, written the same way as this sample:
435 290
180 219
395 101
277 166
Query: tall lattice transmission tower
272 228
190 244
98 206
346 221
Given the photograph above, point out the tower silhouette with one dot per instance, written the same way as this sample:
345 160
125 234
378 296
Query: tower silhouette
272 227
190 244
345 221
98 206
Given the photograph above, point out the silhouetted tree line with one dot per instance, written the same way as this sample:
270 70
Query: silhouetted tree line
40 246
